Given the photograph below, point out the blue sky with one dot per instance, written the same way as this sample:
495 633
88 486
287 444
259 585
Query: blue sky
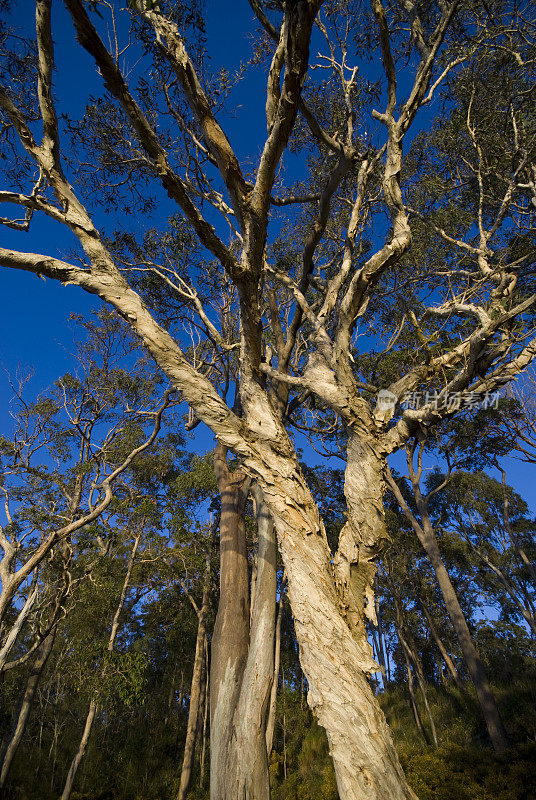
35 335
34 330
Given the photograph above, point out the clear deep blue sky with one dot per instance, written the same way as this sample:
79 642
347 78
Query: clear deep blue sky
34 330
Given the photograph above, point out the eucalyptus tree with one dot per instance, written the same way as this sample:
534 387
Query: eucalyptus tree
420 518
40 648
452 317
472 505
67 450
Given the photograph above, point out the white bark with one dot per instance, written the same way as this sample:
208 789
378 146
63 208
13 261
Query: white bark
15 630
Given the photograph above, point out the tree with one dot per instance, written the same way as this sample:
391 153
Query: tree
424 529
456 310
67 450
73 769
242 651
493 520
198 678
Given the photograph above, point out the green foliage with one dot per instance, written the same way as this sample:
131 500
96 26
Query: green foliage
304 755
466 773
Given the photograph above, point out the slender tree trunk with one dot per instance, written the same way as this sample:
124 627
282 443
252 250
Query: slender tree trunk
196 687
441 647
413 700
205 717
475 667
36 671
284 747
75 763
412 658
270 723
422 686
171 694
471 657
80 753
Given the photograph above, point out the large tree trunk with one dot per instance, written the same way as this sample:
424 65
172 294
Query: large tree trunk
230 639
36 671
196 689
92 710
336 665
251 713
329 603
205 717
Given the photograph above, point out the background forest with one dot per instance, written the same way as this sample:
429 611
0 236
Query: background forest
108 626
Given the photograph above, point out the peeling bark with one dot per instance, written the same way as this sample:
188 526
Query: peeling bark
336 665
364 534
242 651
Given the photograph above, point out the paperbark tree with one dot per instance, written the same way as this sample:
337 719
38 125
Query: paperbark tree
469 325
270 721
